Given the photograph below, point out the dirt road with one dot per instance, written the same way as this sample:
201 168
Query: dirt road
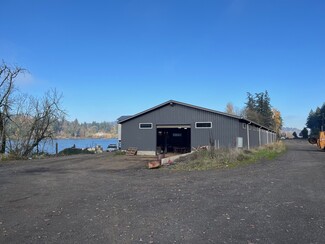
106 199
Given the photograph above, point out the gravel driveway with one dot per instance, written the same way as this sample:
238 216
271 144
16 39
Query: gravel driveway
107 199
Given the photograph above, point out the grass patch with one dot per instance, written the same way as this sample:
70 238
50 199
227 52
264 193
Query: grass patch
8 157
119 153
227 158
14 157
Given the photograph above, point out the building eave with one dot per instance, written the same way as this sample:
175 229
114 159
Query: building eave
171 102
124 119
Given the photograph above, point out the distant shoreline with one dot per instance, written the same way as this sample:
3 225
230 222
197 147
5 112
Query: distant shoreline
77 142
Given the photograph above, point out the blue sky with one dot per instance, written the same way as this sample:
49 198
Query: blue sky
113 58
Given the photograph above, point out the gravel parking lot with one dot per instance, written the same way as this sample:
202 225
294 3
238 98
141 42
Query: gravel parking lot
115 199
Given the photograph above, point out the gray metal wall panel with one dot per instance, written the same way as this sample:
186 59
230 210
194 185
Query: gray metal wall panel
264 137
243 134
257 136
224 131
254 136
132 136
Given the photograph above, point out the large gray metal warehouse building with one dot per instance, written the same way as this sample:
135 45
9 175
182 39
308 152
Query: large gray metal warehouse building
179 127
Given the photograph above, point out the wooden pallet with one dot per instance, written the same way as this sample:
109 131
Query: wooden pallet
131 151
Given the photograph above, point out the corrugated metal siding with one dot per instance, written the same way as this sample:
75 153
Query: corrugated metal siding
264 137
254 136
224 131
132 136
257 136
243 133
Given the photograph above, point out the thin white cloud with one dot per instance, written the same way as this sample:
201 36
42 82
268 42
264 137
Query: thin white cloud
25 79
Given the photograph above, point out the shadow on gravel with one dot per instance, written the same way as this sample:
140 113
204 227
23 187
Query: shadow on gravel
39 170
23 198
108 171
313 149
119 171
302 150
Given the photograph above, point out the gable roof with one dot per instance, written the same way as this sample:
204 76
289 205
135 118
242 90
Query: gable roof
123 119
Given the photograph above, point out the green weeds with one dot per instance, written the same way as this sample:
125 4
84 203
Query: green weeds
227 158
119 153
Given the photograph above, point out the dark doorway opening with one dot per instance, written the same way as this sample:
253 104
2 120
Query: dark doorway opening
174 139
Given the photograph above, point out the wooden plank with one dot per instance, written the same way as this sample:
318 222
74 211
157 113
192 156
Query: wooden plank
131 151
154 164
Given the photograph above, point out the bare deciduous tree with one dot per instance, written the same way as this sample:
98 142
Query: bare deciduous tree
34 121
7 77
233 110
25 121
230 108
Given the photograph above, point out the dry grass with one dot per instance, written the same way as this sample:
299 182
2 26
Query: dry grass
228 158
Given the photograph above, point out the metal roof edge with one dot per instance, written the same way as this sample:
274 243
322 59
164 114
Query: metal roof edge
207 109
123 117
146 111
195 107
258 125
179 103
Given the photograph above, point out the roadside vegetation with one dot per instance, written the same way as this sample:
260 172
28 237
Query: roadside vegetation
315 121
227 158
259 109
27 122
74 151
119 153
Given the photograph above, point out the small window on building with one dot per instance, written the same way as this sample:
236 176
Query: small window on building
145 125
203 125
177 134
244 125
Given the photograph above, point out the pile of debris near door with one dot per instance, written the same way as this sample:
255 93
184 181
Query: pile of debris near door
161 159
156 163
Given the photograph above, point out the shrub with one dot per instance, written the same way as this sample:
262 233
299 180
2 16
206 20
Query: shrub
119 153
74 151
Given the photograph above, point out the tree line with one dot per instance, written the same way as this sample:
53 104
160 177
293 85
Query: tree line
316 120
74 129
258 108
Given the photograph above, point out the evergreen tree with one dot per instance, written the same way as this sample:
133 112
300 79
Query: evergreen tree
304 133
316 120
267 113
251 110
250 104
259 110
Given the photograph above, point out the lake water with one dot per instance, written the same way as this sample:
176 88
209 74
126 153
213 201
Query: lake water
79 143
